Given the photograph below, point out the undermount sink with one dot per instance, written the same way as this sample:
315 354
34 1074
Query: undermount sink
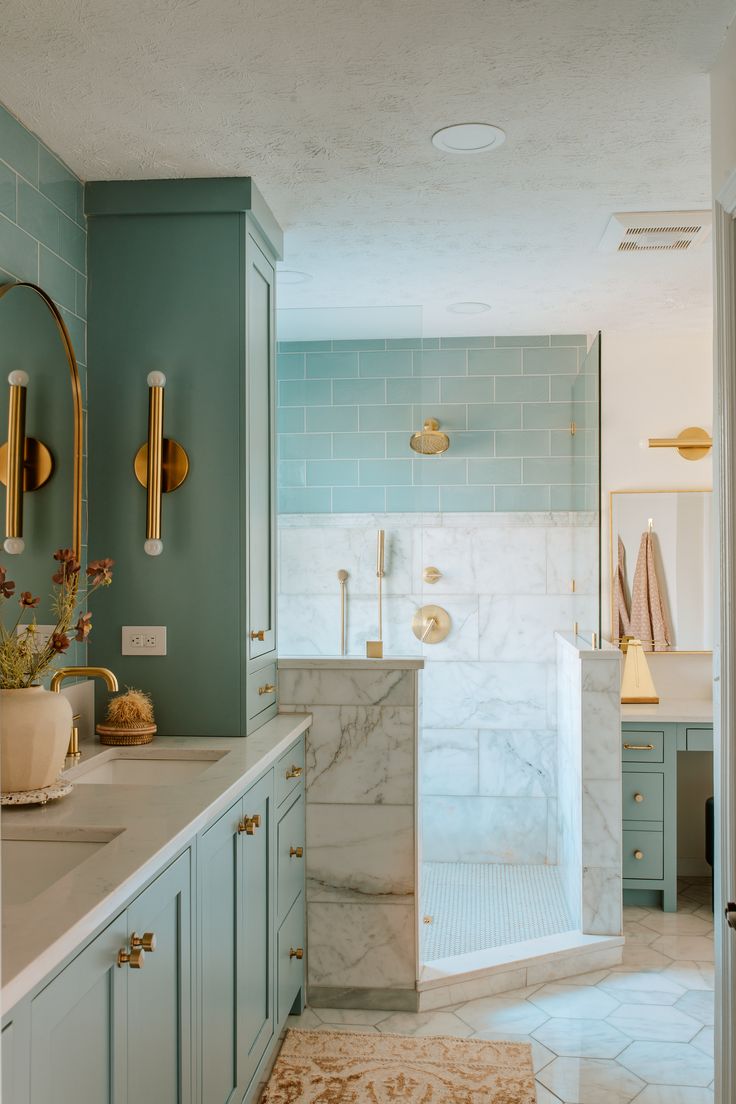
34 859
144 767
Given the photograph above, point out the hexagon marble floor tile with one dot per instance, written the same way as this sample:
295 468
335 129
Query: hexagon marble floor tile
642 1032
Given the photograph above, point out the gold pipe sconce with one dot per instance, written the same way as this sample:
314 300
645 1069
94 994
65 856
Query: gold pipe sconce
692 444
25 463
161 465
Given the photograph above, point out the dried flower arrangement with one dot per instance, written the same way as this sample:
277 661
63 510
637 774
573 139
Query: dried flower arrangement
23 661
129 720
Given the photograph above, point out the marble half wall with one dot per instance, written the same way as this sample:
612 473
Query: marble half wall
362 843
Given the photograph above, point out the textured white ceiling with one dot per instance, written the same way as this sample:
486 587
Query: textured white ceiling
330 106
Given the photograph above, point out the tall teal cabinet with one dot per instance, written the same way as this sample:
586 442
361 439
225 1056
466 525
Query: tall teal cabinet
181 280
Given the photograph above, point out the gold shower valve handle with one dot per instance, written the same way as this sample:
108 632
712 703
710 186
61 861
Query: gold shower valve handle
431 624
161 465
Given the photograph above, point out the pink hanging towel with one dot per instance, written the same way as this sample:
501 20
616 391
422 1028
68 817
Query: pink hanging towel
622 621
648 619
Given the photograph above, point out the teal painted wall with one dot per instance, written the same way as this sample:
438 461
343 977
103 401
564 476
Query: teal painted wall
346 410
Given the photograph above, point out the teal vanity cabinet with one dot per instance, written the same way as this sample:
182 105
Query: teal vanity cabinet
181 279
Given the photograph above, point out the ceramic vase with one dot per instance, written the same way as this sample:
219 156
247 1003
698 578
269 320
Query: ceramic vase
35 726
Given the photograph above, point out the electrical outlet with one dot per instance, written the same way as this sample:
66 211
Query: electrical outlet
140 640
40 635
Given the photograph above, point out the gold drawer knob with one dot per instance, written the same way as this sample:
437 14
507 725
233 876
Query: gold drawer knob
135 959
296 852
269 688
298 953
147 941
249 824
639 855
258 634
638 798
294 772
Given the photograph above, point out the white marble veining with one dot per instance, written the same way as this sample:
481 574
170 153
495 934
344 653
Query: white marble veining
363 753
509 829
360 851
517 764
449 761
486 695
366 946
333 686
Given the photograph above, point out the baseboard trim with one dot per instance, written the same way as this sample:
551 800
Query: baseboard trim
392 1000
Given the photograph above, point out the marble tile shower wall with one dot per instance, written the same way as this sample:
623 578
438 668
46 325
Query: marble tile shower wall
347 409
488 746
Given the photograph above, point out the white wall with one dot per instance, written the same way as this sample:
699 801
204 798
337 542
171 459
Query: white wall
723 112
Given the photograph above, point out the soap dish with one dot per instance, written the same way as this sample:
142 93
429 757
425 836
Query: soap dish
57 789
126 735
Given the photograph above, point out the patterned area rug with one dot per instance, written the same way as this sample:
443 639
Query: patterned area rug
330 1067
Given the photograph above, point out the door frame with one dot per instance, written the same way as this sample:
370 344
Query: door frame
724 657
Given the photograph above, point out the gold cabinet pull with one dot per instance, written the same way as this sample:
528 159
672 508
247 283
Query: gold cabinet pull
298 953
638 747
294 772
135 959
269 688
258 634
639 855
147 941
161 465
296 852
638 798
249 824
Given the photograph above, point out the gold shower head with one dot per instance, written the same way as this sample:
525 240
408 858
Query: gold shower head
430 440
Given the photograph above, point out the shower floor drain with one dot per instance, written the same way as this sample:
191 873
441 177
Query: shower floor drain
477 906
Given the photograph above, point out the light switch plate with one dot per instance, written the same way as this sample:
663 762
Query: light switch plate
144 640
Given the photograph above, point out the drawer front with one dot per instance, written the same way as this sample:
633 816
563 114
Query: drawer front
699 739
291 857
643 796
290 771
262 689
289 967
642 745
649 845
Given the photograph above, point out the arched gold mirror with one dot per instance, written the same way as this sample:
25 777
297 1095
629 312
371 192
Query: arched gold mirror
41 460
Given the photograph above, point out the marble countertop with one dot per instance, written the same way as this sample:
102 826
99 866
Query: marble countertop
152 824
353 663
671 711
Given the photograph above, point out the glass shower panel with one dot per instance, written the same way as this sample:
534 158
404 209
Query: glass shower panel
586 458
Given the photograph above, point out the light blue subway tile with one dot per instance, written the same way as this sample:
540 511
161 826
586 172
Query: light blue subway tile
553 469
569 339
384 473
376 343
291 366
412 390
439 471
81 308
56 182
494 362
359 445
332 419
397 444
522 388
547 415
290 419
304 346
390 363
385 417
332 365
305 446
466 499
78 333
472 444
292 473
38 216
441 362
404 343
73 246
358 500
522 442
5 276
494 471
358 391
522 342
466 390
466 342
57 278
522 498
305 500
305 393
550 362
18 147
450 415
492 416
412 500
562 388
332 473
8 182
569 497
586 388
18 252
431 343
586 415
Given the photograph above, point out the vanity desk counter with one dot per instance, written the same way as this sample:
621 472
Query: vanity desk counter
670 711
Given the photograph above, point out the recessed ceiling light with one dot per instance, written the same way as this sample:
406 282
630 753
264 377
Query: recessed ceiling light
469 308
291 276
469 138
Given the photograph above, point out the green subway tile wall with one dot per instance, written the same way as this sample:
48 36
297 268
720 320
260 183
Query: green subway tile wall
347 409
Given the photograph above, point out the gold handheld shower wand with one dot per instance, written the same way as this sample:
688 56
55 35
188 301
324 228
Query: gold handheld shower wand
374 648
342 576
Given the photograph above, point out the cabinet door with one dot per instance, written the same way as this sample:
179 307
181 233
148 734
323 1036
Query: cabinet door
159 994
220 921
260 420
255 976
78 1028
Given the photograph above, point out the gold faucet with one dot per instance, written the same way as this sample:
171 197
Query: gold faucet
75 672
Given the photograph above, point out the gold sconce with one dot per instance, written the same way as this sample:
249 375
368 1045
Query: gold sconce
692 444
161 465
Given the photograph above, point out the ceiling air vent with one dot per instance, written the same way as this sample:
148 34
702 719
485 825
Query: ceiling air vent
656 231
